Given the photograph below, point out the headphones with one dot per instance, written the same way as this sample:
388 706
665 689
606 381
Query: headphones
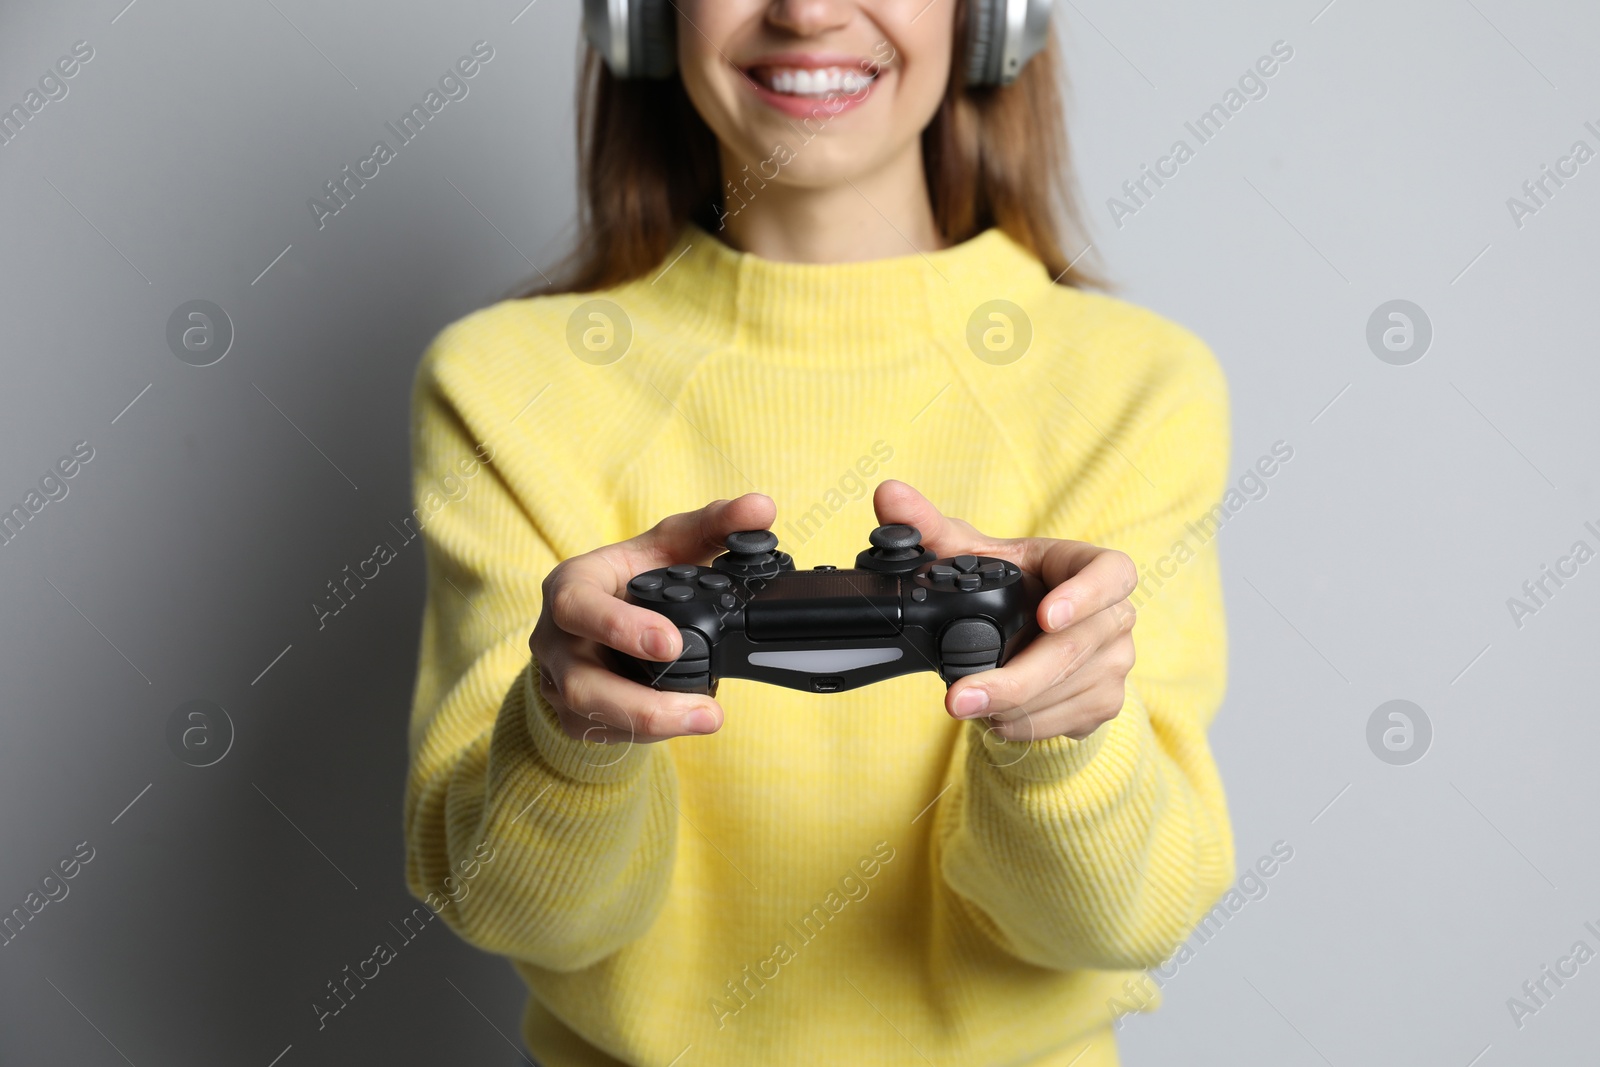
636 37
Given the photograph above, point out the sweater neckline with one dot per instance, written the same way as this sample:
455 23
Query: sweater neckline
835 314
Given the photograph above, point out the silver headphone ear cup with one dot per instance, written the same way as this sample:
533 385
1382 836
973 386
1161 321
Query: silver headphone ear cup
653 32
1035 35
1002 35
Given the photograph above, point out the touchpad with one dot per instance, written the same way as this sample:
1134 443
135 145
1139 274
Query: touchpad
810 604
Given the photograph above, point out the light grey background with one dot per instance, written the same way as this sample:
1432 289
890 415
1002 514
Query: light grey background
185 556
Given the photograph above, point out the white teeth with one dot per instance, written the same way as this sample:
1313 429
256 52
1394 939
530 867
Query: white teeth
802 81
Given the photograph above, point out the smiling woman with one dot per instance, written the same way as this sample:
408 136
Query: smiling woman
803 215
815 95
976 112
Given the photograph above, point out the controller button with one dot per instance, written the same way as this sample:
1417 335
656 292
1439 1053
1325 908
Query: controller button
970 643
992 569
919 594
825 567
686 683
682 571
678 592
954 671
965 564
695 647
715 581
968 582
941 572
970 635
645 583
727 601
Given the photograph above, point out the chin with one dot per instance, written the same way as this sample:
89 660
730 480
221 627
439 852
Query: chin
816 168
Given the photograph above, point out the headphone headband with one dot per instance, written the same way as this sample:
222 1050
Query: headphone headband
636 37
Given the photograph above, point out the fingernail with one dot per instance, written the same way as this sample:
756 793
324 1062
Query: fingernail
971 702
1058 614
656 644
699 721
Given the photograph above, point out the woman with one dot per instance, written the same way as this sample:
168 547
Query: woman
816 258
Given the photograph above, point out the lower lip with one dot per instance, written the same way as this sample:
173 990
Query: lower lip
820 107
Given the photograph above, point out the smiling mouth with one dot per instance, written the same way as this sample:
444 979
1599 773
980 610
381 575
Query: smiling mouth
814 83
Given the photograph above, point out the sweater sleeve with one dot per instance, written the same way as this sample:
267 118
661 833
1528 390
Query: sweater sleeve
1103 853
529 844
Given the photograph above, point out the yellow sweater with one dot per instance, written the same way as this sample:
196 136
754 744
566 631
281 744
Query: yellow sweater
850 878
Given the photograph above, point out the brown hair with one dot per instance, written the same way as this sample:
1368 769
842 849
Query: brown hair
648 163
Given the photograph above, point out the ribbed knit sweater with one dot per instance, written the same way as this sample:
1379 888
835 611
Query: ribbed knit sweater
848 878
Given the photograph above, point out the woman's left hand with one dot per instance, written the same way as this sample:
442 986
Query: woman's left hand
1070 679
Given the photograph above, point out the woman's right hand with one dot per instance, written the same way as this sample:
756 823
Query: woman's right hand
583 611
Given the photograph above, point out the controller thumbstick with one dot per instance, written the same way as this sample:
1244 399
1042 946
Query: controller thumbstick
751 543
752 553
896 549
897 539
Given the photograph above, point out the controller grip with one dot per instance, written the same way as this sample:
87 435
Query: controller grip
689 673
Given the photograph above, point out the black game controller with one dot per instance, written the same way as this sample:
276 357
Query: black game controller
752 615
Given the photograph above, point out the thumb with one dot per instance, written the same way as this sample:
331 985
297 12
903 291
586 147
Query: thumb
896 502
696 536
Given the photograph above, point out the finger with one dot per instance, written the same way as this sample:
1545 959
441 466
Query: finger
1037 676
1110 663
1085 579
896 502
583 591
581 600
694 536
1076 717
592 700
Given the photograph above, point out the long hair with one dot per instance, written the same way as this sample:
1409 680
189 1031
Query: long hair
648 163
